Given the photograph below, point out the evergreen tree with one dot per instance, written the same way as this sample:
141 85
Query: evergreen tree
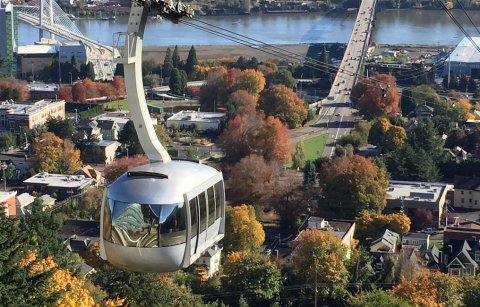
298 156
463 83
309 174
472 85
90 71
191 61
178 81
129 137
453 82
167 63
176 62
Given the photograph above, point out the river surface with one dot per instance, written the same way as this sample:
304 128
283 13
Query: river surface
392 27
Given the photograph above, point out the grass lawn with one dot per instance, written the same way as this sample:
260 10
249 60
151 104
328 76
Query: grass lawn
121 104
313 147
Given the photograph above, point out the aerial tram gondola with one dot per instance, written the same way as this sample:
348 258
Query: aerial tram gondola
158 217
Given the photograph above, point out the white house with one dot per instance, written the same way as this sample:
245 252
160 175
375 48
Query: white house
211 260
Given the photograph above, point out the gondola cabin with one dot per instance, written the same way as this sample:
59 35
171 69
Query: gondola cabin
161 217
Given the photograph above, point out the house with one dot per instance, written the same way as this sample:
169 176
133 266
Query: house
467 192
461 257
109 129
387 243
418 240
23 203
47 201
409 196
89 172
211 260
8 200
342 229
433 259
457 154
423 112
15 117
109 149
40 91
90 130
200 121
468 230
63 186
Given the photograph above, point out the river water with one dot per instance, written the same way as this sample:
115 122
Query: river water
392 27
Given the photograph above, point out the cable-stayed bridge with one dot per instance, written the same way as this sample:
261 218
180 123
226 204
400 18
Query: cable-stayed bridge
48 16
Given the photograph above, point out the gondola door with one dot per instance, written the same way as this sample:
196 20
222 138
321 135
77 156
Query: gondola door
194 225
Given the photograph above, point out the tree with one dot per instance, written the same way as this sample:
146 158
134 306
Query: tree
252 272
119 85
65 93
119 166
90 71
280 101
430 289
167 63
463 83
7 141
378 132
376 298
370 225
252 179
407 163
55 155
178 81
241 102
319 256
377 96
129 137
90 203
63 128
191 61
423 218
176 62
151 81
353 184
162 135
281 76
424 136
242 230
79 92
471 291
251 134
309 175
298 156
14 89
251 80
472 85
396 136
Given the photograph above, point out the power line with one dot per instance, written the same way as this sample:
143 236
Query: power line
468 16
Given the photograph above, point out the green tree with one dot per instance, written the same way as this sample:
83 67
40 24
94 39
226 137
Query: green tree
242 230
176 62
129 137
309 174
406 102
281 76
7 141
167 63
152 80
178 81
408 163
471 291
376 298
424 136
252 272
63 128
298 156
352 184
191 61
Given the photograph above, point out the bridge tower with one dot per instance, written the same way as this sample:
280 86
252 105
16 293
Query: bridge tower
45 12
8 40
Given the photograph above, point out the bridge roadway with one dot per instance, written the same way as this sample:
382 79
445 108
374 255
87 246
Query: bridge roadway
337 117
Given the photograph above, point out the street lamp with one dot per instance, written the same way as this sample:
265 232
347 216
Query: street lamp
4 167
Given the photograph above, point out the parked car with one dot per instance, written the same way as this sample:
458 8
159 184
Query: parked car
430 231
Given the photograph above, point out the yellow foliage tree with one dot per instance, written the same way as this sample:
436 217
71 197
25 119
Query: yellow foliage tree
430 289
395 137
252 81
320 253
242 230
55 155
369 225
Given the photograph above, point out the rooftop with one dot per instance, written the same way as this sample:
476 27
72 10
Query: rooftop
465 51
42 87
467 183
195 116
59 180
17 108
337 227
415 191
37 49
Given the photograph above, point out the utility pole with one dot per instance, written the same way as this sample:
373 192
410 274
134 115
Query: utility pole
315 263
448 78
4 167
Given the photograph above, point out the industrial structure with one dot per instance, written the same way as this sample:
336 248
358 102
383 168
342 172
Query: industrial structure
464 59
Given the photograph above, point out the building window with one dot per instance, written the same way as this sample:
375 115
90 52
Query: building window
463 200
462 192
475 202
455 272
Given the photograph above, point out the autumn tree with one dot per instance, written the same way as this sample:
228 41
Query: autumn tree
370 225
376 298
79 92
280 101
377 96
242 230
396 136
119 85
385 135
430 289
471 290
352 184
90 203
65 93
14 89
246 271
319 256
119 166
252 81
252 134
242 102
55 155
251 178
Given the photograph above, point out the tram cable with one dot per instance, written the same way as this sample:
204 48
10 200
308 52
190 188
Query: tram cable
468 16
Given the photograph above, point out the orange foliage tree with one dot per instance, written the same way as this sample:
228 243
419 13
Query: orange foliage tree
251 80
251 178
14 89
377 96
280 101
120 166
352 184
252 134
430 289
369 225
55 155
65 93
79 92
119 85
319 255
242 230
242 102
